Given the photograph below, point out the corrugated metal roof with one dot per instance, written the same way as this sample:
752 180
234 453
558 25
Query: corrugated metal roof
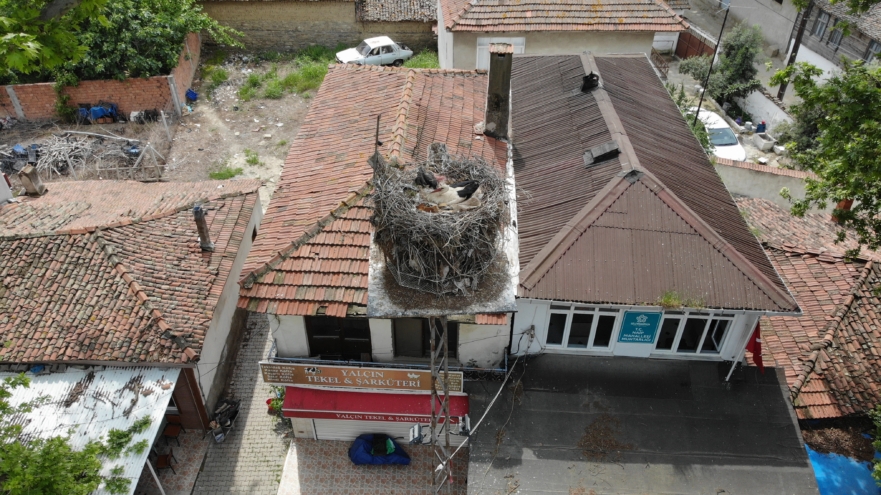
86 404
593 235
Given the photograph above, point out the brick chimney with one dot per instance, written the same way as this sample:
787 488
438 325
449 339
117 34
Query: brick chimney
202 226
31 181
843 205
498 92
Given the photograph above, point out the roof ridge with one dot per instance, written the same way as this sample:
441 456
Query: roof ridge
247 280
155 315
399 130
670 10
454 19
830 332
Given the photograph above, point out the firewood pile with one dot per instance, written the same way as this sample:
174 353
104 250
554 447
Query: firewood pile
434 249
86 154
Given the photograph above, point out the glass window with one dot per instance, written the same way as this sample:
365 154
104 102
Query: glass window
667 335
691 334
872 52
715 336
338 338
556 328
820 24
413 337
579 332
835 37
363 49
605 327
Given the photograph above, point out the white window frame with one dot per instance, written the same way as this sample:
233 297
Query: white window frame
820 24
596 311
872 51
483 49
683 317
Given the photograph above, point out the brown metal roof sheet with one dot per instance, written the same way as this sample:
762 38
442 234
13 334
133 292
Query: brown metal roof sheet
574 244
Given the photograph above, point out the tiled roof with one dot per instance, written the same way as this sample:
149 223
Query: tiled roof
786 172
312 252
396 10
814 232
868 23
118 283
830 354
595 217
560 15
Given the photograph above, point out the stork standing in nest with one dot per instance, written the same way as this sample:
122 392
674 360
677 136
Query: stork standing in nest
459 196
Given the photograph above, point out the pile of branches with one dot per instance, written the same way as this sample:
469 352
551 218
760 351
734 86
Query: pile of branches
434 249
67 154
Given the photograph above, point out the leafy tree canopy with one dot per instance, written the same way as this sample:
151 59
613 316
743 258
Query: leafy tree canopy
32 39
115 40
37 466
846 152
735 73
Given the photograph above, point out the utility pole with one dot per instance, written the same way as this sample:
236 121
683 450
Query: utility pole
440 406
794 52
712 61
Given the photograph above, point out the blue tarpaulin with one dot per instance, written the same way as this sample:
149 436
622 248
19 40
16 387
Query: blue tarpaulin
360 453
840 475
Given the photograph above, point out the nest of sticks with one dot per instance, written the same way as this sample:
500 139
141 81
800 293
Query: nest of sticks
435 249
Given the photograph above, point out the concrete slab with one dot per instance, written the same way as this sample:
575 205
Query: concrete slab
685 432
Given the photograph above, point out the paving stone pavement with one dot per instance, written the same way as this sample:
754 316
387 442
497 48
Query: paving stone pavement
252 457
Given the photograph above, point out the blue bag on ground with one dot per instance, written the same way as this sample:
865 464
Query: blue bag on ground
364 452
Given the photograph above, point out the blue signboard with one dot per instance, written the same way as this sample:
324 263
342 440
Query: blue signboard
639 327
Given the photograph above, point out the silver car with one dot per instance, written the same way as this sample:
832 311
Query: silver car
376 51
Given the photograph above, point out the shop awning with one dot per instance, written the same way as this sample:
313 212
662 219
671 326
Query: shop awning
315 403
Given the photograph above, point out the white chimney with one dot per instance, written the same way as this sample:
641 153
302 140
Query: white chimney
31 181
5 189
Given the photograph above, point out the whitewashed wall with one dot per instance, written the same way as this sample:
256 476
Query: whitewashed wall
482 346
290 337
382 340
761 108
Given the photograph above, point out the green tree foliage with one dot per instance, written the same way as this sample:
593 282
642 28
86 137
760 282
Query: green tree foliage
735 73
119 39
32 40
683 102
846 151
40 466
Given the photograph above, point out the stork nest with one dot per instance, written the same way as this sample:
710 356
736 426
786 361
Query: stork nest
434 249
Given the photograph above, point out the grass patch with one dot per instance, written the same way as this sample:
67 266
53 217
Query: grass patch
225 172
426 59
250 87
251 157
282 142
216 58
274 90
307 76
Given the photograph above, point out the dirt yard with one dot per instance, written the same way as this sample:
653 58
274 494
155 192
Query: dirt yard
218 135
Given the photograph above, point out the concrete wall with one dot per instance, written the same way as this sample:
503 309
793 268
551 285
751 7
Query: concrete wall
775 19
553 43
482 346
290 336
665 42
758 184
805 54
762 108
382 340
214 363
37 101
529 315
286 26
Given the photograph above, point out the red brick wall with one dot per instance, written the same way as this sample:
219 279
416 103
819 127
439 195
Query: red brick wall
38 100
187 65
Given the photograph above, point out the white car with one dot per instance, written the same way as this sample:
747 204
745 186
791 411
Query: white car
376 51
722 137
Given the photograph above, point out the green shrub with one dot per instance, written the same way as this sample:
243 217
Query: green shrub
249 88
426 59
274 90
318 53
251 157
225 172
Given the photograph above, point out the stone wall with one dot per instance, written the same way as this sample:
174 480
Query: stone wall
37 101
287 26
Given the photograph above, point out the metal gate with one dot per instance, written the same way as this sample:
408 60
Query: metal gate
691 44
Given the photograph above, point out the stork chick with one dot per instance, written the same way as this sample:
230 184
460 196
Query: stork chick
438 192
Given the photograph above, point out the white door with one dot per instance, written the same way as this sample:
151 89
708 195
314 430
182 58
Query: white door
483 49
